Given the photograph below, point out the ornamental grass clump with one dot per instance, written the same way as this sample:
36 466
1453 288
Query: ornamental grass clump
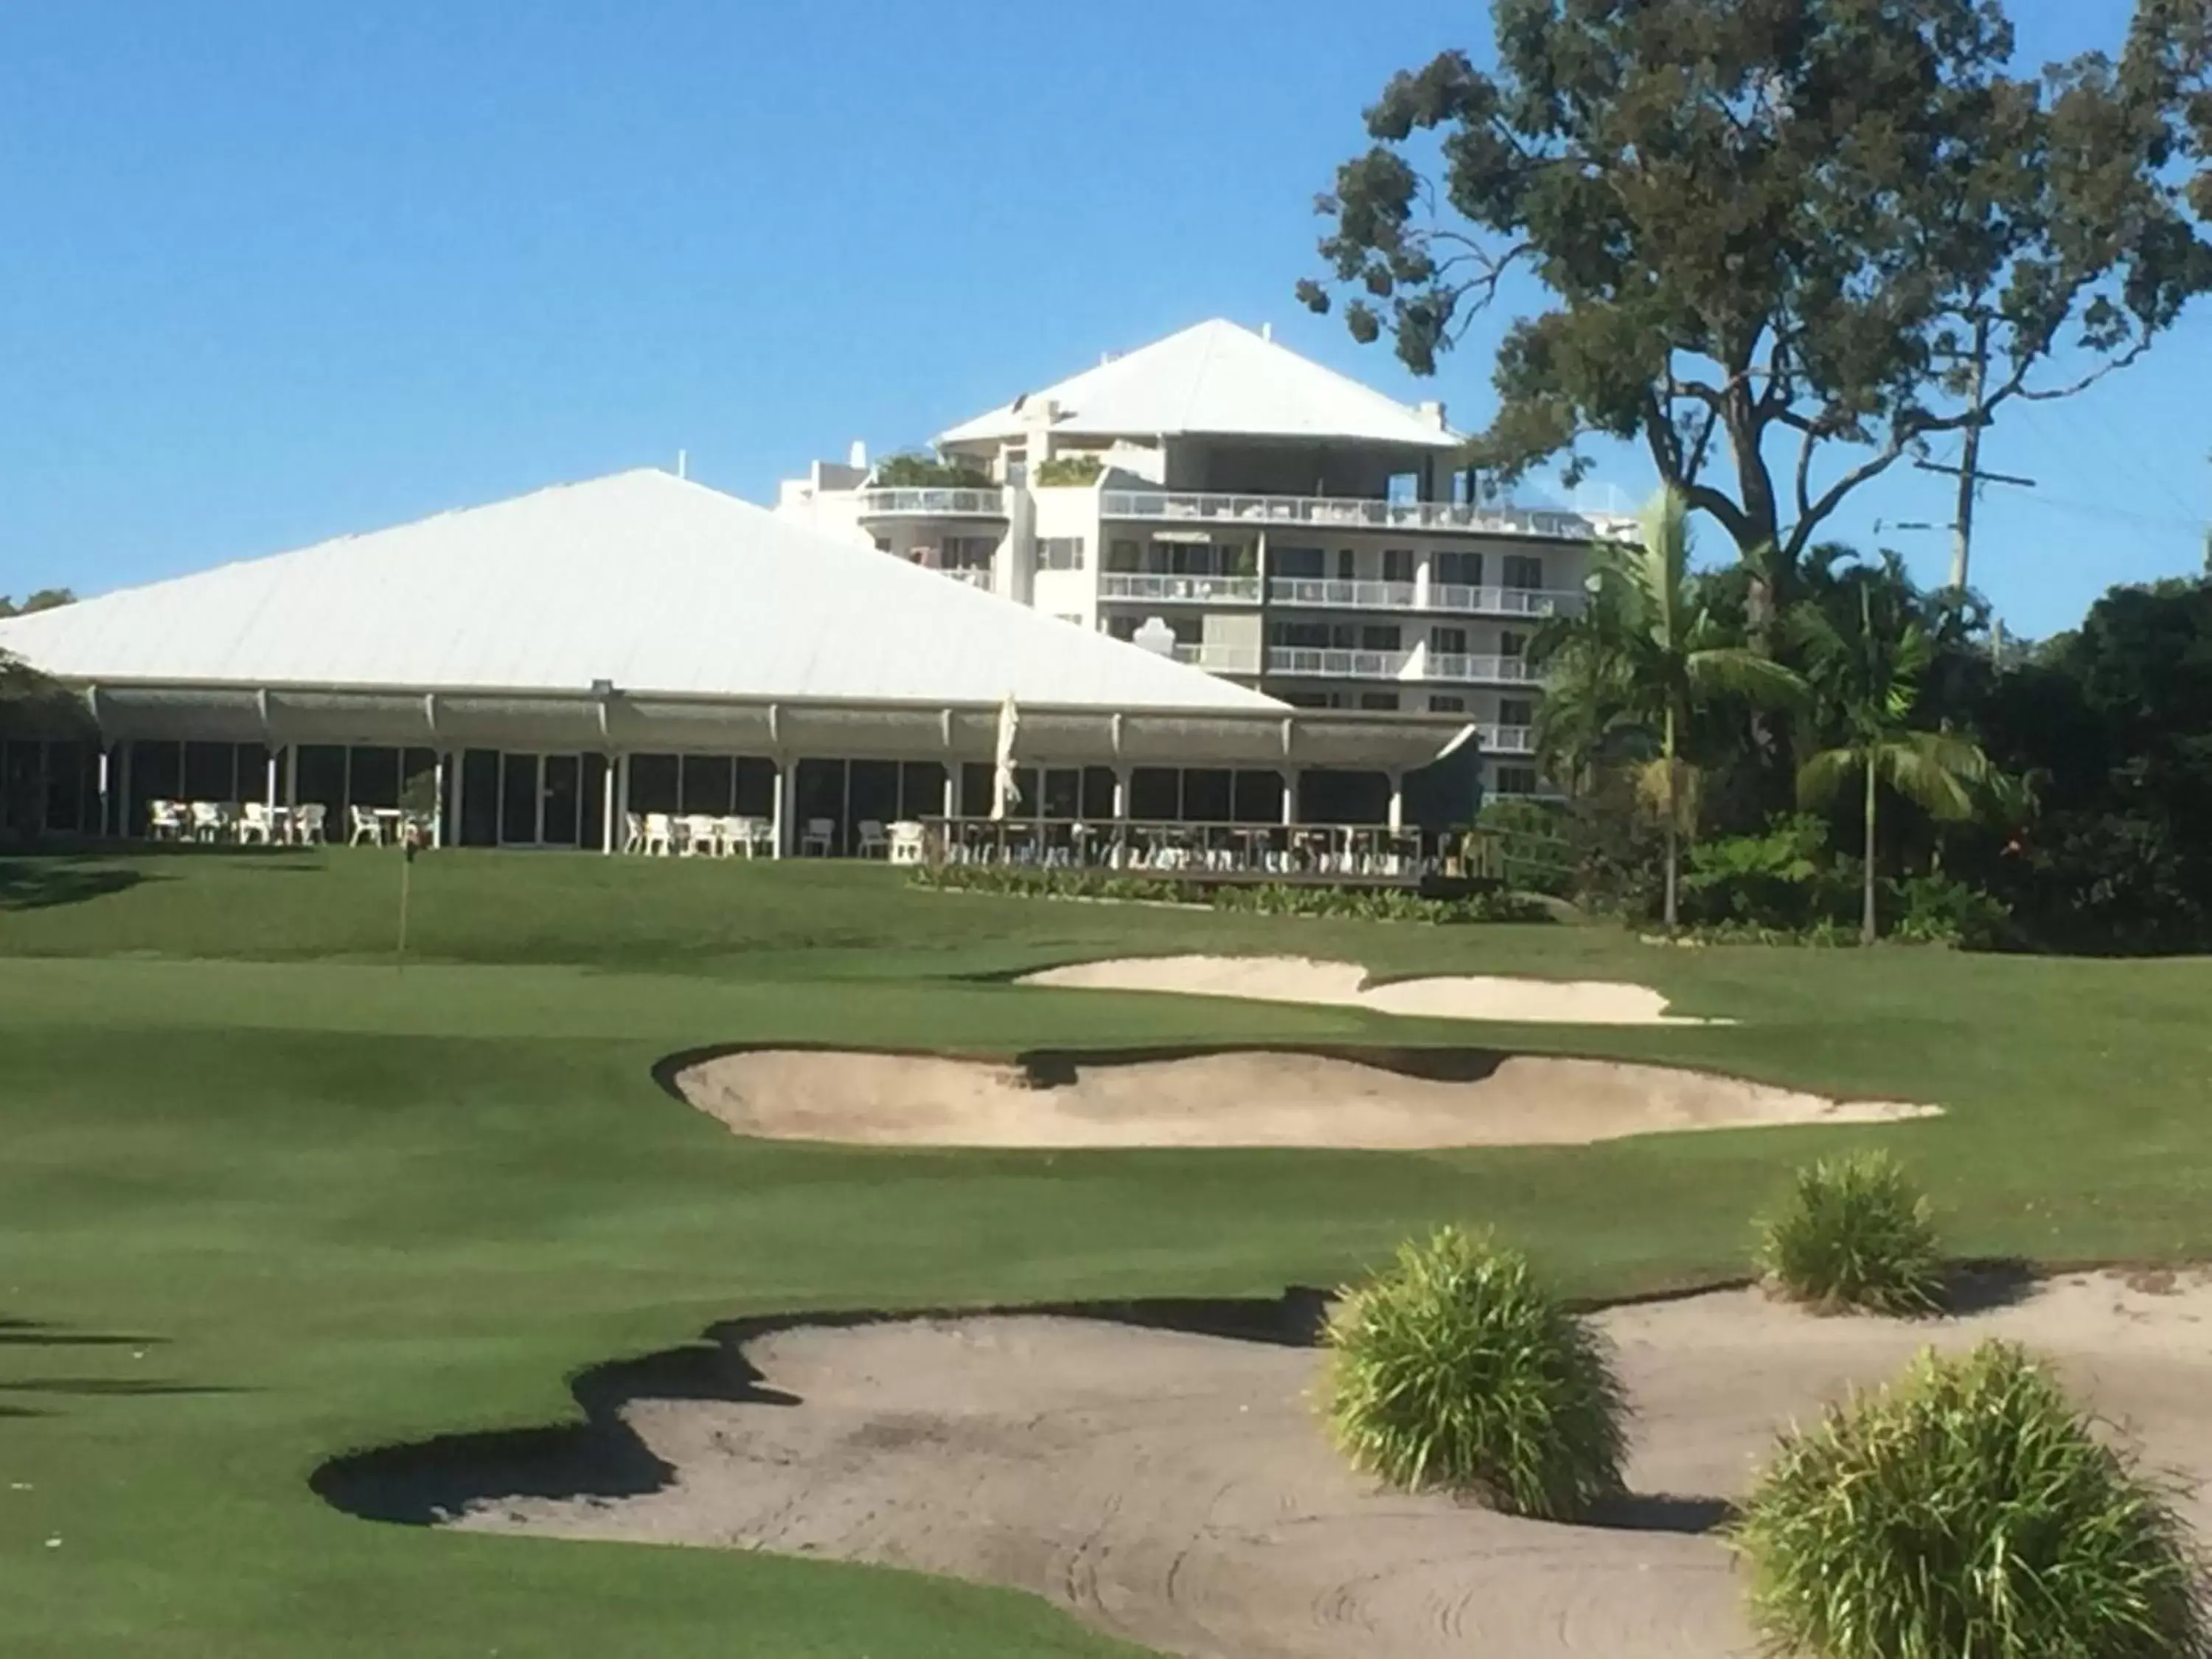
1855 1234
1455 1369
1967 1509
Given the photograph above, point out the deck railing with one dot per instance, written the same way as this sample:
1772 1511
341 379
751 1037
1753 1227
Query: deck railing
1357 513
1252 851
932 503
1188 590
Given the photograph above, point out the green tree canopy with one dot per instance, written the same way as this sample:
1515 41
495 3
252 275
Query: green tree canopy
1778 228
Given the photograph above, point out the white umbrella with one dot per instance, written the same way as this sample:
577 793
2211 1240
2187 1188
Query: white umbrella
1005 790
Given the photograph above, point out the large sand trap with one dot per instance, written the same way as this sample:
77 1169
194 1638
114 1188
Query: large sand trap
1394 1100
1343 984
1176 1489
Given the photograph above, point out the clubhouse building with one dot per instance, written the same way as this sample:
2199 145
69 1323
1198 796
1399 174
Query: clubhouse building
537 672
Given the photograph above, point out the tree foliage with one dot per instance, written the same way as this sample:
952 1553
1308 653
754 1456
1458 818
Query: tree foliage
1776 229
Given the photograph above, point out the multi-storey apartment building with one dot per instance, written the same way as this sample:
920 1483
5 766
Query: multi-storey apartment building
1218 497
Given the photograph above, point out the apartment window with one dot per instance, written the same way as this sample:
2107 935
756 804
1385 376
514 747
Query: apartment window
1123 627
1060 553
1397 564
1511 644
1308 699
1516 711
1459 570
1441 704
1378 701
1524 570
1125 557
1379 637
1448 641
1308 637
1347 565
1514 780
1017 458
967 552
883 543
1298 564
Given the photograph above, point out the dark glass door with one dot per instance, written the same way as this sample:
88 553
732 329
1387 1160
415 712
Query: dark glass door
563 793
518 800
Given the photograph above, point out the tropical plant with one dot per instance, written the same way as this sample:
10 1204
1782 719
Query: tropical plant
1068 470
1865 674
919 471
1968 1508
1625 676
1455 1369
1854 1234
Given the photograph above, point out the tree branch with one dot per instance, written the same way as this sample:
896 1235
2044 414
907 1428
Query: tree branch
1809 517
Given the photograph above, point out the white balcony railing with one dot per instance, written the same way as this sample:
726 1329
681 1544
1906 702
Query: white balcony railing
1343 595
1217 659
973 575
1464 670
1337 665
1186 590
1507 739
932 503
1503 601
1355 512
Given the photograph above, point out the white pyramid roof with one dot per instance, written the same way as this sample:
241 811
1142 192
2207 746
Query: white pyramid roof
1215 378
654 583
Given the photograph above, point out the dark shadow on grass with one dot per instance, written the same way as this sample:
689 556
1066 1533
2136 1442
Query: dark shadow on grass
44 881
38 1334
118 1387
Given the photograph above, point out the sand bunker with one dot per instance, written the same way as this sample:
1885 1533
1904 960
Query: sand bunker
1343 984
1396 1100
1174 1489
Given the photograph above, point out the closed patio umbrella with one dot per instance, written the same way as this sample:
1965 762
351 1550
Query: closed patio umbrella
1006 790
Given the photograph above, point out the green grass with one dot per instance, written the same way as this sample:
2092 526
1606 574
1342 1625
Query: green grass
335 1205
1969 1508
1454 1368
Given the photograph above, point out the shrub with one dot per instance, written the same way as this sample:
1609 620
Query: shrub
1261 898
1936 909
1967 1509
1854 1234
1068 470
915 470
1455 1369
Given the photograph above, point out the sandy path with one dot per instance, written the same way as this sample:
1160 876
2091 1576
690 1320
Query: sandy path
1393 1100
1174 1489
1344 985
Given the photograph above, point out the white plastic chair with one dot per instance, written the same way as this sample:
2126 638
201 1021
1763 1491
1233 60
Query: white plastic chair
907 842
874 844
633 833
207 820
365 827
165 820
820 835
703 835
254 824
307 823
754 837
660 834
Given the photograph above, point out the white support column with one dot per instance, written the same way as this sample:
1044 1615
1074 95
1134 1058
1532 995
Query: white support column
438 793
1122 794
786 793
269 788
1397 801
1290 777
951 802
607 819
622 798
106 812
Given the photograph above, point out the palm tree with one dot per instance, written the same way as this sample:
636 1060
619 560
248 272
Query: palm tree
1866 671
1626 674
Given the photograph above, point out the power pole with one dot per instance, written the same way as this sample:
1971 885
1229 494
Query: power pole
1970 475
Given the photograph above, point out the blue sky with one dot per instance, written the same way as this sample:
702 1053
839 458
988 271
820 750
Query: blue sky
276 272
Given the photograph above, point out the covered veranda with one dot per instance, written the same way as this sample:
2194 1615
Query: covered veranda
610 771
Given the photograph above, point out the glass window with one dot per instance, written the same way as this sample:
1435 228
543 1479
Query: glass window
1097 793
1379 637
1063 794
1378 701
1459 570
921 790
1514 780
480 798
1296 563
1448 641
1511 644
1124 557
210 771
707 782
1517 711
372 776
1208 795
1155 793
322 781
755 785
1524 570
1060 553
873 793
654 783
1443 703
1258 798
1397 564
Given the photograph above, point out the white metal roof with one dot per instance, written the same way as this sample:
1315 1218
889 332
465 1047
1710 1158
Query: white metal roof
1215 378
640 578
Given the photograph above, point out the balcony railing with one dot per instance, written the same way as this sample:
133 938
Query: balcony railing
1507 739
1343 595
1452 665
933 504
1503 601
1346 512
1217 659
974 575
1337 665
1186 590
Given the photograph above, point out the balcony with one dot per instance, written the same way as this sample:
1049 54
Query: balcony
1220 659
1456 669
1352 513
1503 601
1334 664
1343 595
1507 739
932 503
1179 590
